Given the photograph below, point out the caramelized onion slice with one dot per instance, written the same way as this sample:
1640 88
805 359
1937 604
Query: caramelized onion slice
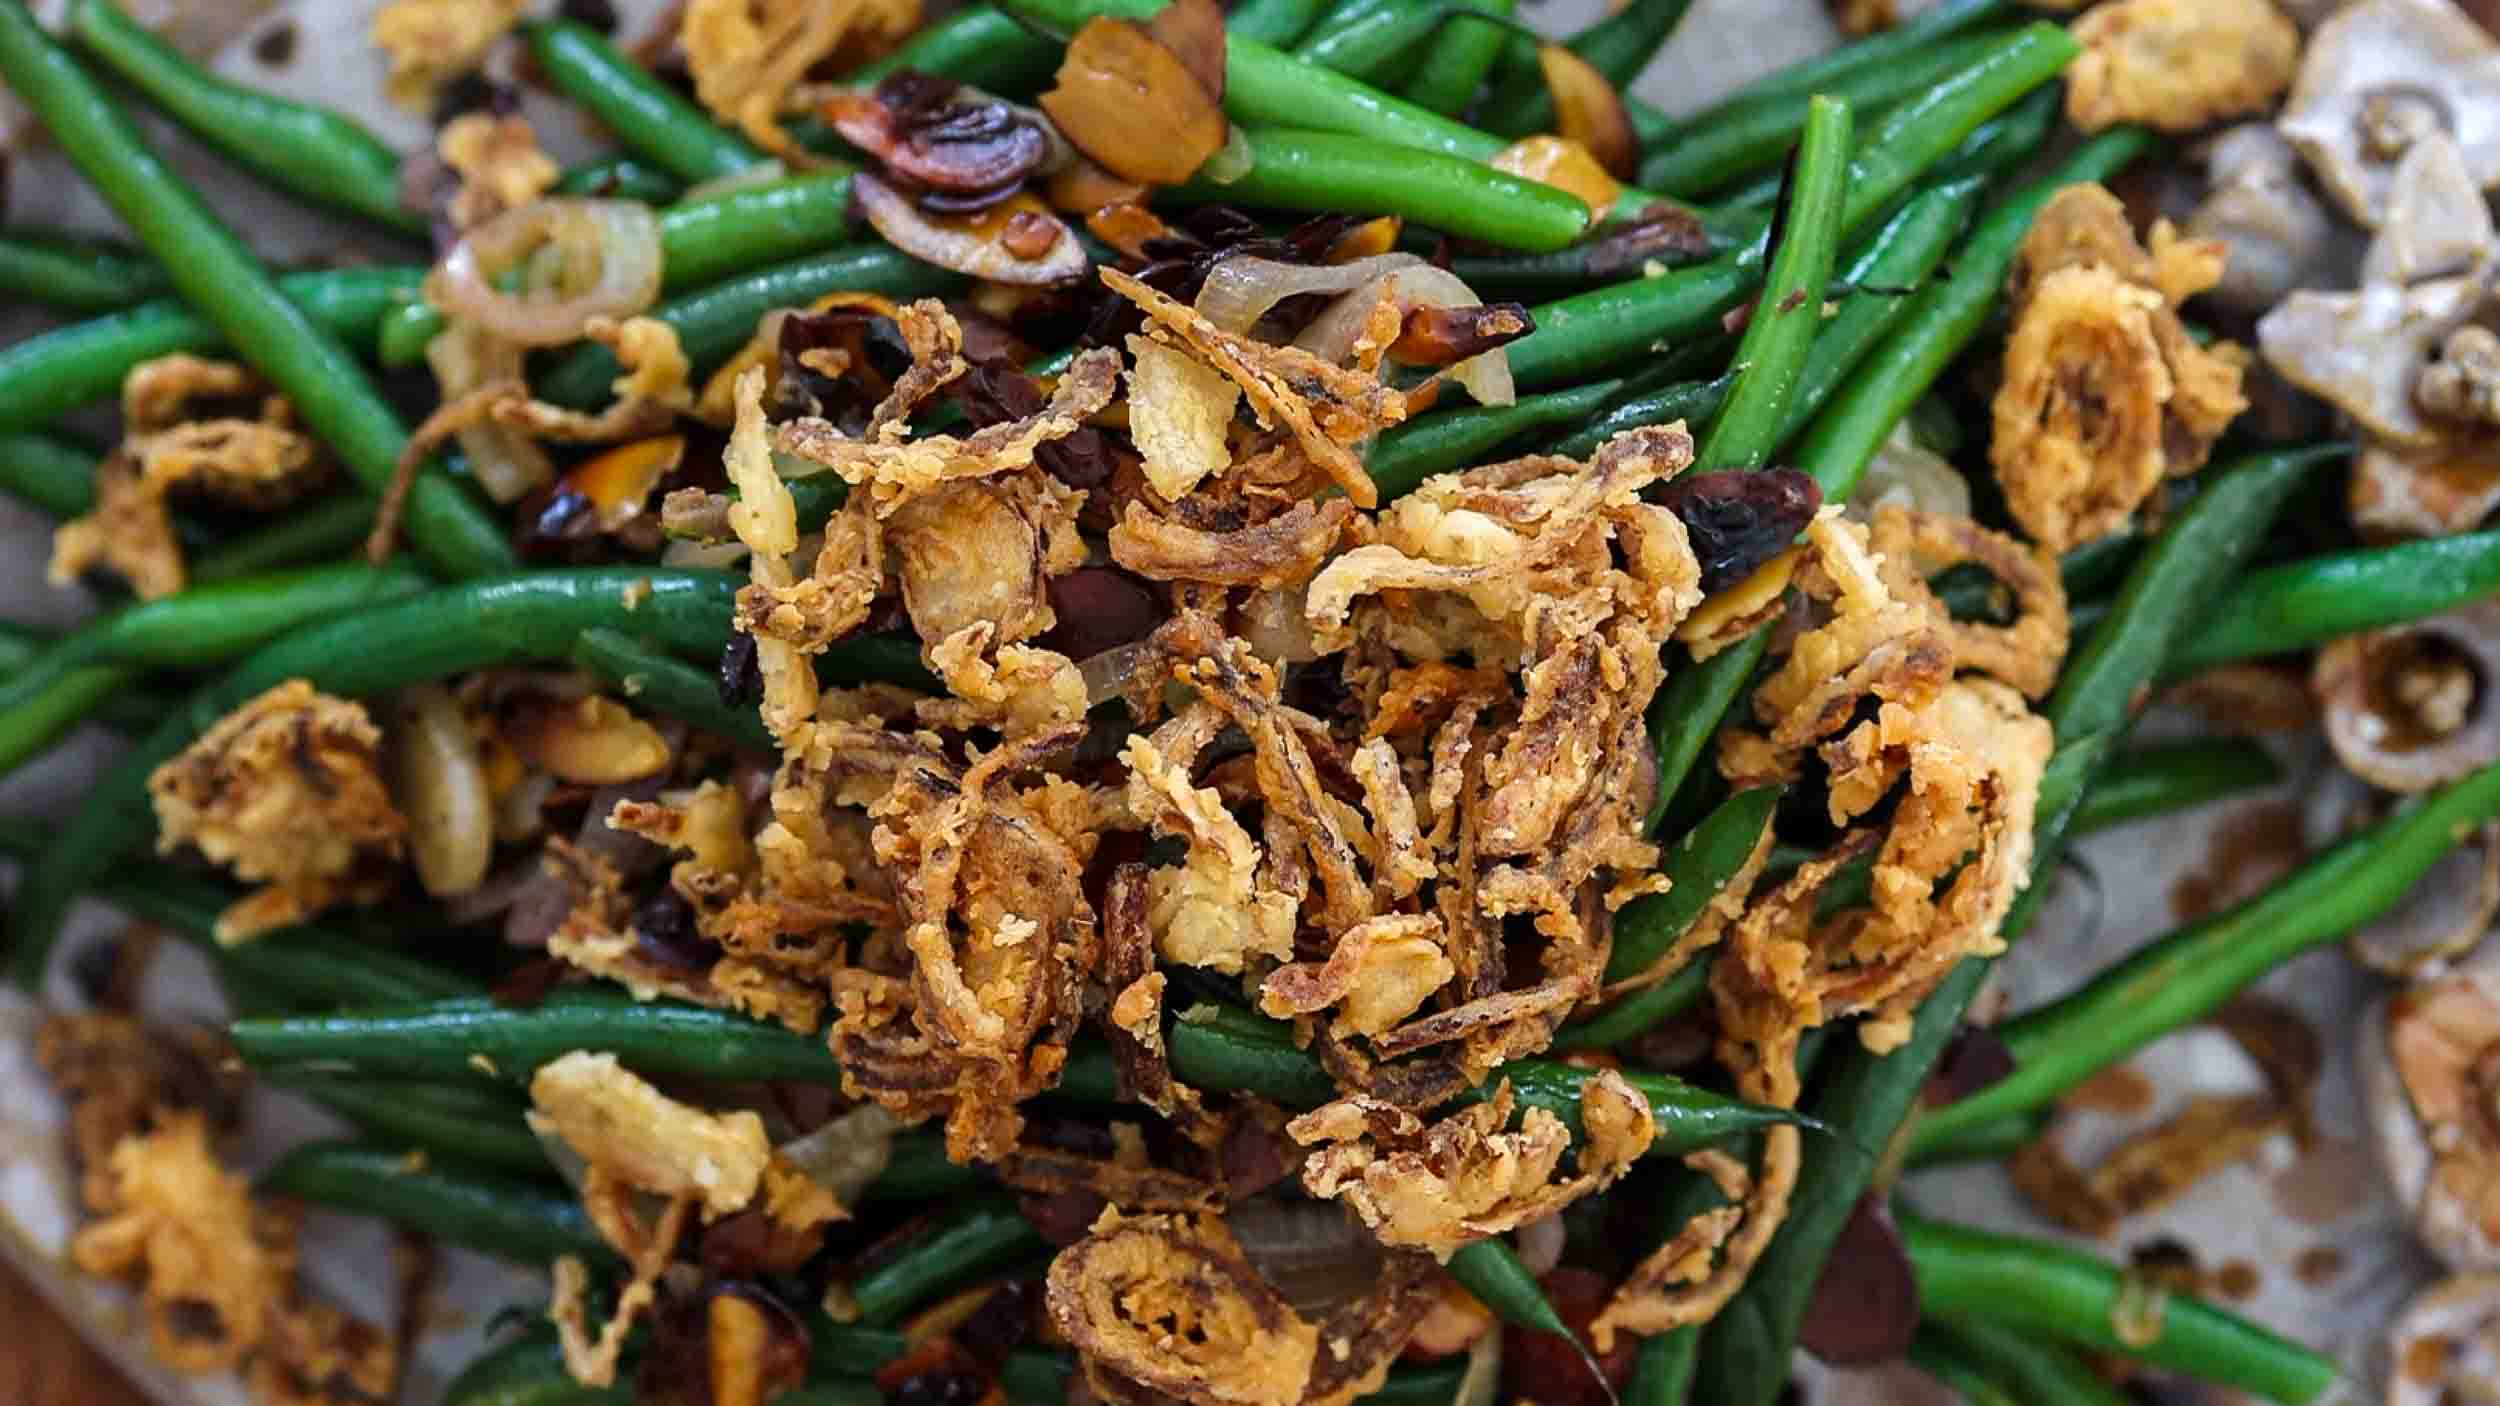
1242 289
1415 285
603 257
1133 105
1589 110
1016 241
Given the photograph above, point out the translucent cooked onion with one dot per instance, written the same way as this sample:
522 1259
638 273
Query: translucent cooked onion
1312 1252
1107 675
1482 1383
607 249
1411 284
976 245
438 780
846 1154
1241 290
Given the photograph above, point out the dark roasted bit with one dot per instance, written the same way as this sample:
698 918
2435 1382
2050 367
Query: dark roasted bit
1741 518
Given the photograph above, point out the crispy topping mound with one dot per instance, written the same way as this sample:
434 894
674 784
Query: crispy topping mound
287 791
192 428
2179 65
431 42
749 56
2105 393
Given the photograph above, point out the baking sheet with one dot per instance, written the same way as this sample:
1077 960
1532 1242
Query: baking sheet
2265 1214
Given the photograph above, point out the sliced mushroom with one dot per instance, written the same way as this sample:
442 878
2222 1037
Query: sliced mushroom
2379 75
2411 708
2430 1066
2446 488
2445 1346
2441 918
2276 234
2365 350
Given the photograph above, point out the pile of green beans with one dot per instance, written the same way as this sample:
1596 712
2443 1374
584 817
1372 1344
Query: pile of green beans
1864 229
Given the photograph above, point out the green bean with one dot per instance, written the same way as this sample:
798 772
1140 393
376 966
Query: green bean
482 624
1025 1375
702 241
218 276
310 151
64 702
670 687
918 1169
1971 1275
2030 1370
1619 47
1663 1374
621 177
530 1371
1238 1052
643 112
1371 39
1867 1098
49 472
712 323
967 1241
2184 976
1460 61
977 45
1950 1369
1696 403
476 1126
2302 604
1405 455
1580 335
1790 310
500 1215
1332 172
1842 440
2166 780
1697 867
46 377
1492 1271
2006 143
77 277
314 532
1757 137
1988 1142
1278 24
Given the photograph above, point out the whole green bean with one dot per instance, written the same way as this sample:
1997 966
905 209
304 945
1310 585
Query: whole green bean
643 112
2183 977
1363 38
621 177
323 156
477 1126
518 1219
1461 59
918 1169
712 323
2302 604
2030 1370
1842 440
46 377
530 1371
49 472
702 241
1867 1098
975 1237
2007 142
64 273
1334 172
2166 780
1789 311
1492 1271
1449 440
1663 1374
1278 24
314 532
1580 335
63 703
1757 136
1974 1276
482 624
977 45
1946 1364
220 278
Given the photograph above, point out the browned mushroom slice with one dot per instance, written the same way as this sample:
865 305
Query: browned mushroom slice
2410 708
2447 488
2379 75
2429 1059
2445 913
2277 235
2445 1345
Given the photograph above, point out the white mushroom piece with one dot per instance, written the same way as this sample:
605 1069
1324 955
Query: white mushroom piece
2430 1068
2277 234
2376 78
2444 1348
2401 356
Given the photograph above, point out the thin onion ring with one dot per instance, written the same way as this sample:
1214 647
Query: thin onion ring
620 238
